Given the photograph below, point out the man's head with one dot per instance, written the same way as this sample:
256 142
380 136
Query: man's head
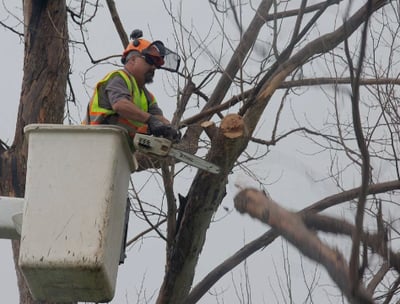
153 53
141 57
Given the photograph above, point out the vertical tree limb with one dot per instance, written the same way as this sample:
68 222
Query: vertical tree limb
365 169
171 203
117 22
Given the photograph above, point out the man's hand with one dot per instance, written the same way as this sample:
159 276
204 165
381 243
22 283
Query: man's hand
158 128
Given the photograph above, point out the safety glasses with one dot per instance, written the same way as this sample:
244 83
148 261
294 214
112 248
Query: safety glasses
157 61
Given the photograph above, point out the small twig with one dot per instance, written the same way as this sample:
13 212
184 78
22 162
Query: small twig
143 233
361 142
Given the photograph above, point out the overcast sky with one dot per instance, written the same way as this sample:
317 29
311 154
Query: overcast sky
145 263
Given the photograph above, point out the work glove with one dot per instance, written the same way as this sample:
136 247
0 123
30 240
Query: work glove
159 129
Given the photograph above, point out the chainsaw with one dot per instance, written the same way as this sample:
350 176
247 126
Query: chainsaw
162 147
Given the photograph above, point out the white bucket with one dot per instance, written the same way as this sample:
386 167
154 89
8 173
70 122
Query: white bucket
73 220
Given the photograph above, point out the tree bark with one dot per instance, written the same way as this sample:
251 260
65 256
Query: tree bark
202 204
46 66
323 44
291 226
267 238
200 207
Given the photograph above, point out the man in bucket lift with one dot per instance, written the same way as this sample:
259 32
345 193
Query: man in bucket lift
121 97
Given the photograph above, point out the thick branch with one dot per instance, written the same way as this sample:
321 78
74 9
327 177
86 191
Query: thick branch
267 238
320 45
117 22
236 61
318 81
377 242
336 81
171 203
291 227
200 208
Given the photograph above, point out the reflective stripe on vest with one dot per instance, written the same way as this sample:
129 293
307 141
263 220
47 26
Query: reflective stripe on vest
98 115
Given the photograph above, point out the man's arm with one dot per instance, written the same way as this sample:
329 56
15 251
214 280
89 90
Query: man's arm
119 98
158 125
128 110
155 110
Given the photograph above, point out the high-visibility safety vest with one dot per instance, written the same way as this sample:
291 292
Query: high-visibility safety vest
97 115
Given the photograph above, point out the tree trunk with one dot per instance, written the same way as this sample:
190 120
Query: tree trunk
207 192
46 66
205 195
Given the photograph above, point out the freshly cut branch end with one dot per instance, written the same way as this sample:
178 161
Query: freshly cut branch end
252 202
210 128
232 126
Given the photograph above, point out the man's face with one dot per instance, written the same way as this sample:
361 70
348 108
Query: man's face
154 61
149 75
142 69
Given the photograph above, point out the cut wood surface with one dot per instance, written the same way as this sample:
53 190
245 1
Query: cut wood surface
232 126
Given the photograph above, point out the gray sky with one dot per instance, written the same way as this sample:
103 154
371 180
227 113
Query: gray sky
290 174
146 261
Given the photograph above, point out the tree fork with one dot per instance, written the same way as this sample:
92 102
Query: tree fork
228 142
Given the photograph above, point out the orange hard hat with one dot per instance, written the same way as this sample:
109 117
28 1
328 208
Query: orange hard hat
155 53
140 45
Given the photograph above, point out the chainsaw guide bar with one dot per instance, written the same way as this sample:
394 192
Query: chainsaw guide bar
163 147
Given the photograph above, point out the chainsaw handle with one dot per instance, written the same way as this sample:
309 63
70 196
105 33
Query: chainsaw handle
150 144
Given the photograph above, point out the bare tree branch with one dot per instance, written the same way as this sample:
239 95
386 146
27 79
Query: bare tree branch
290 226
267 238
365 169
117 22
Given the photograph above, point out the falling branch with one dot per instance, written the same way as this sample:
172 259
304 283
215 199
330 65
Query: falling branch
267 238
290 226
